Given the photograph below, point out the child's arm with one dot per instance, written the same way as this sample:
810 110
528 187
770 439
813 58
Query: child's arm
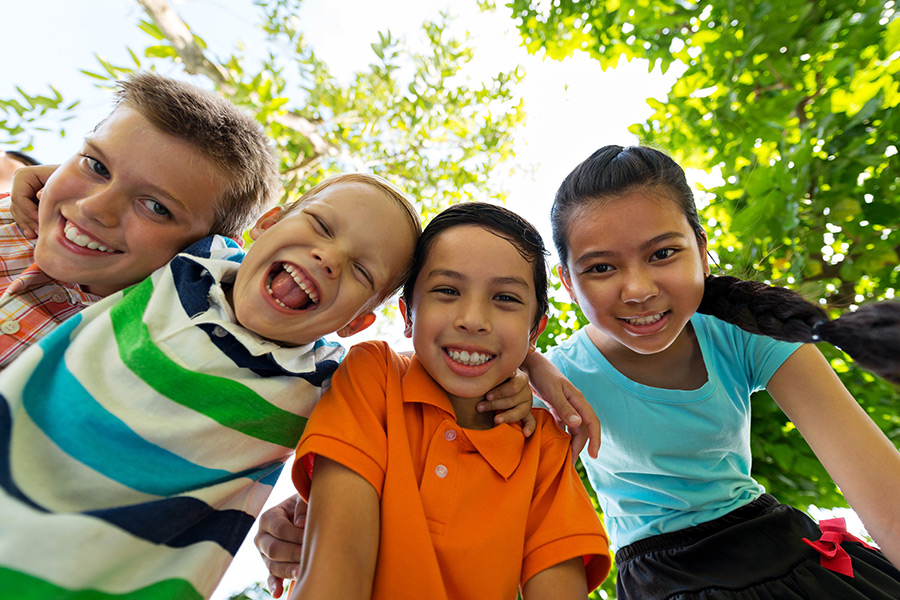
27 183
342 531
854 451
564 580
566 402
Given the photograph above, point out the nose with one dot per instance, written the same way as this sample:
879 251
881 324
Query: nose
103 206
638 286
329 259
472 316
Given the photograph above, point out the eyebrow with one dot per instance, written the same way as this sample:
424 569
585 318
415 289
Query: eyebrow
663 237
155 190
451 274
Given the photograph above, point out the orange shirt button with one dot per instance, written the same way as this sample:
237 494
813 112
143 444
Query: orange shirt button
440 471
9 327
450 435
58 297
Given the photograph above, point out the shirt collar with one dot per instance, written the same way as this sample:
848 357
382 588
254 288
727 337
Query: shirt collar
292 359
501 446
33 277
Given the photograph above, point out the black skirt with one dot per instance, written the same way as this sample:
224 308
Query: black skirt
753 553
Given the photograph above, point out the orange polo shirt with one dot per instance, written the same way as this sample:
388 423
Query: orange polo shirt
464 513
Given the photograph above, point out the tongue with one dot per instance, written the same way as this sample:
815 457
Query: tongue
286 290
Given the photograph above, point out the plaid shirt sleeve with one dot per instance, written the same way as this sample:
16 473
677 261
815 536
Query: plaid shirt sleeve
32 303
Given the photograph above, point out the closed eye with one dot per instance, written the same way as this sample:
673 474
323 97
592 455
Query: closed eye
321 226
365 275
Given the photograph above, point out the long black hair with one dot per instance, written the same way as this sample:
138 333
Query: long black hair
870 335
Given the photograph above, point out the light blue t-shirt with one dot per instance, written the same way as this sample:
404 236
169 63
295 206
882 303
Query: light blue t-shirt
671 459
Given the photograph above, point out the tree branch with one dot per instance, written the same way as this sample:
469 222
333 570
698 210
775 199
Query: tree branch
196 63
178 34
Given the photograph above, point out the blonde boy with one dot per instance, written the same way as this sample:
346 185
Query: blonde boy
139 440
170 165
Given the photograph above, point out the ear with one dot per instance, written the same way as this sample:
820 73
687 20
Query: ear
566 279
271 217
532 342
704 254
407 320
356 325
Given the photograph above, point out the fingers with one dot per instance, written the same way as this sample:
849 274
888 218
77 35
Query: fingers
25 190
579 438
593 434
280 538
529 424
276 586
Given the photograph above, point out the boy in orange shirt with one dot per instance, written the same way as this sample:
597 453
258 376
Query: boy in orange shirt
171 164
415 493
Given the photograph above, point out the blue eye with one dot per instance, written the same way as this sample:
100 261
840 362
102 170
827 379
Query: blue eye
156 208
97 167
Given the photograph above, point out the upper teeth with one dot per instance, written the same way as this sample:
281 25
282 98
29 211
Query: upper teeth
473 359
645 320
312 293
74 235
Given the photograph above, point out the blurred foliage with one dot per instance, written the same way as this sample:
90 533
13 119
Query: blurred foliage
25 114
792 106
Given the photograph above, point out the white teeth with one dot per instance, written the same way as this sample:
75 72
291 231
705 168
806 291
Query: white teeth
76 237
473 360
312 295
645 320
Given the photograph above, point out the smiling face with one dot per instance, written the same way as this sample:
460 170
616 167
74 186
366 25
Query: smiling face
636 269
125 205
323 267
472 313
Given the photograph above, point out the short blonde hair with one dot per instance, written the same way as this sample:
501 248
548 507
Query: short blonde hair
391 191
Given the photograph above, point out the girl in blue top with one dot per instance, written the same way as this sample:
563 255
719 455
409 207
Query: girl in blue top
668 362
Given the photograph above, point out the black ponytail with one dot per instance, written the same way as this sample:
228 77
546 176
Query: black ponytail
870 335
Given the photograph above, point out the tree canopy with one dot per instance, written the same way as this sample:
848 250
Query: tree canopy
413 117
794 105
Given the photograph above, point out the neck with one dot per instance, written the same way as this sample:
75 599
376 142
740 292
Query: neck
678 367
466 415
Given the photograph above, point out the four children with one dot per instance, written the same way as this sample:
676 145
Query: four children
154 423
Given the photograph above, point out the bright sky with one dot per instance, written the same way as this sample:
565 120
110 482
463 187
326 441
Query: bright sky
573 107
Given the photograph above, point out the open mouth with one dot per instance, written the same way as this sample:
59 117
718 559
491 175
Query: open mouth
469 359
80 238
291 288
644 321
